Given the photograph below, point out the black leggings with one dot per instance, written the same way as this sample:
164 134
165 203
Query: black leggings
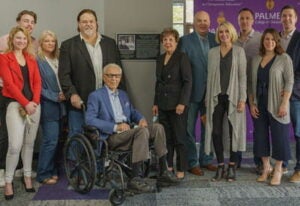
217 133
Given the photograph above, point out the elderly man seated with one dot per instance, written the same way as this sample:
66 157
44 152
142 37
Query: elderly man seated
110 110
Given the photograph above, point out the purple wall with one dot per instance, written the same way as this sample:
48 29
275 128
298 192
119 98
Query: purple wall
267 12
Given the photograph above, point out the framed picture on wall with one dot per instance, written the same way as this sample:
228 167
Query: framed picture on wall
138 46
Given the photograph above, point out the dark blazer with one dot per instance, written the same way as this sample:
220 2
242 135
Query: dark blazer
100 114
293 51
51 109
173 81
190 45
76 73
13 79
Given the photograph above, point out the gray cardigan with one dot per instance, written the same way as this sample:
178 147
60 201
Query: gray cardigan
236 92
281 78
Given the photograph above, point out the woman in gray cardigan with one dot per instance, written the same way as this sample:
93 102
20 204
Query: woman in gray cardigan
269 91
226 95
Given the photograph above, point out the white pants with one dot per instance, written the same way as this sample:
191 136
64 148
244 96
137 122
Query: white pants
21 136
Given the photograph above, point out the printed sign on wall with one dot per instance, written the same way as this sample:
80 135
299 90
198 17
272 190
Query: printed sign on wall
267 12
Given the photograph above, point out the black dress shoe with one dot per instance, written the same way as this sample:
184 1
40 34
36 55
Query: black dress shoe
167 178
220 173
231 173
30 190
11 196
138 185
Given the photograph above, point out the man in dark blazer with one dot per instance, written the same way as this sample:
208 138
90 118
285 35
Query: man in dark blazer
81 60
110 110
196 46
290 41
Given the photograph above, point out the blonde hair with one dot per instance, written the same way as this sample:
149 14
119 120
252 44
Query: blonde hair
232 31
11 36
44 34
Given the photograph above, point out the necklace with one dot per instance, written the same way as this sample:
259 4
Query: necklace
53 62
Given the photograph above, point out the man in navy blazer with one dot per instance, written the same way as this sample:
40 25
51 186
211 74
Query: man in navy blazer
110 110
81 61
196 45
290 41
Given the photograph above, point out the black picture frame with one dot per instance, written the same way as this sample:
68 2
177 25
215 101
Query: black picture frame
138 46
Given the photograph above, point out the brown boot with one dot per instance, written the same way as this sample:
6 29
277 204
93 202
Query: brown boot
295 178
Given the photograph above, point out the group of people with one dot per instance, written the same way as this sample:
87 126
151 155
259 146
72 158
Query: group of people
218 75
214 75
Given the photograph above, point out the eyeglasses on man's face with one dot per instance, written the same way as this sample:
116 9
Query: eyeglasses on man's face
113 75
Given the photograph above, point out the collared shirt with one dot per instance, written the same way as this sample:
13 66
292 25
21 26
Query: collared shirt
116 106
285 40
251 45
95 53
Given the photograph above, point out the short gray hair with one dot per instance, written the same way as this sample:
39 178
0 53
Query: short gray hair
111 65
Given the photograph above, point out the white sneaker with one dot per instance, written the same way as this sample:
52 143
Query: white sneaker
20 173
2 181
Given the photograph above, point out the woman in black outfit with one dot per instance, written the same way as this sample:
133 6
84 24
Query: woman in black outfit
172 95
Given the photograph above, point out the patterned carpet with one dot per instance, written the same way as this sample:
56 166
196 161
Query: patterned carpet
193 190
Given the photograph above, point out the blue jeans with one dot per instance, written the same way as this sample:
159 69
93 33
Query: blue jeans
193 161
46 166
295 117
76 120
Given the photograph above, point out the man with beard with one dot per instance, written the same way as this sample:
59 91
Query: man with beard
81 60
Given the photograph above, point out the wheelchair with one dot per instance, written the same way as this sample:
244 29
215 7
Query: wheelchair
88 161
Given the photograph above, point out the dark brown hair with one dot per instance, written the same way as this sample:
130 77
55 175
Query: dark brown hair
84 11
31 13
278 48
247 9
288 7
169 31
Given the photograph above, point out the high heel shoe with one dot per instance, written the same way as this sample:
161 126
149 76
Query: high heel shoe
31 190
276 179
220 173
11 196
265 175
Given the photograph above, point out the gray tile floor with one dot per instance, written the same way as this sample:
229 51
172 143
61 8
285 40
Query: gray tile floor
193 190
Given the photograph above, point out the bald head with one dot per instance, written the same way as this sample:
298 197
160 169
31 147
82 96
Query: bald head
201 22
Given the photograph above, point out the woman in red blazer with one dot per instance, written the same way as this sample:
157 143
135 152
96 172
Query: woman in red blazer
22 86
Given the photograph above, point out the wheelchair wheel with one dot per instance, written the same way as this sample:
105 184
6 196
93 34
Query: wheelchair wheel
116 197
80 163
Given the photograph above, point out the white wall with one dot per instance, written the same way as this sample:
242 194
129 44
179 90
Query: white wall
114 16
56 15
138 16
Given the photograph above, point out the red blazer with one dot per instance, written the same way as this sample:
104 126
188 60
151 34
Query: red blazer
13 79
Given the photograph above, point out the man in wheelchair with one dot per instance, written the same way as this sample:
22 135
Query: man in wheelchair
110 110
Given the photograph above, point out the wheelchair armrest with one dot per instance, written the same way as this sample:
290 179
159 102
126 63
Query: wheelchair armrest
90 129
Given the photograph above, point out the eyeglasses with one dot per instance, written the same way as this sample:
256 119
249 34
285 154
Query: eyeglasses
113 75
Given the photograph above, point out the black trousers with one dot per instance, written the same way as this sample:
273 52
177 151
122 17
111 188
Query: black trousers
3 138
175 129
217 133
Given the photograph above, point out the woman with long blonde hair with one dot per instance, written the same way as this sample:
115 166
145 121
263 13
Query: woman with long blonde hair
22 86
53 110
